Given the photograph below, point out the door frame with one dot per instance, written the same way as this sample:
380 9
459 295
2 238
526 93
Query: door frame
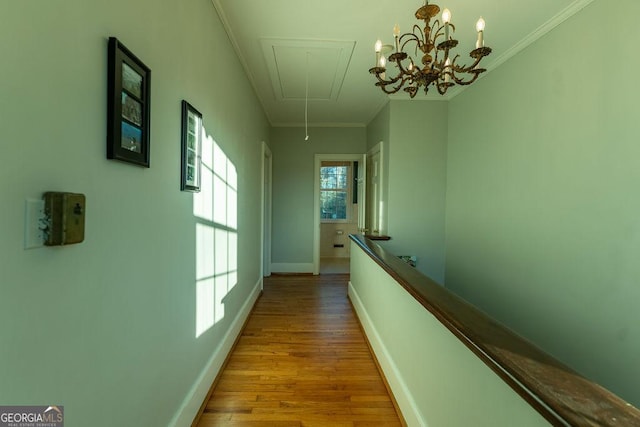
266 217
381 225
319 158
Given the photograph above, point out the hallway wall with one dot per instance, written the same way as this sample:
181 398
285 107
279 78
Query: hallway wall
109 324
543 217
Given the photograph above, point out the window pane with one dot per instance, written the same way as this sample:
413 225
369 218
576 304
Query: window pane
328 181
333 205
341 205
342 179
333 177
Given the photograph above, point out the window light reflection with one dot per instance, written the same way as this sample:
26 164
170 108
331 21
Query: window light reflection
215 209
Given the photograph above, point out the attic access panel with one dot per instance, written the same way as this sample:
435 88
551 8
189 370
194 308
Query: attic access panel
287 64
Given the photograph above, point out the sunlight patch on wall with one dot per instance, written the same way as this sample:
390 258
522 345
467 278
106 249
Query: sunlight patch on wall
205 310
216 210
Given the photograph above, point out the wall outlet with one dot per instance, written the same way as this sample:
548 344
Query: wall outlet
34 224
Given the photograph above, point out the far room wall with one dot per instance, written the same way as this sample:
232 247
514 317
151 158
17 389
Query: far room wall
293 188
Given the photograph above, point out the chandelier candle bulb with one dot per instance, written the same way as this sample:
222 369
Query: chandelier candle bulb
396 34
446 18
447 70
378 48
480 28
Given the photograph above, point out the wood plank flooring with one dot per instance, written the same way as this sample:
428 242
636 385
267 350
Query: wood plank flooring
301 360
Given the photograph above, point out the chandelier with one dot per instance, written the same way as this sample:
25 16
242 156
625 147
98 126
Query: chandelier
436 65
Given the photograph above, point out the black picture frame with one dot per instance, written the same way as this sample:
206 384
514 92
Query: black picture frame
128 106
191 162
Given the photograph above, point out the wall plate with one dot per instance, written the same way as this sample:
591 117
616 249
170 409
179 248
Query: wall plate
34 222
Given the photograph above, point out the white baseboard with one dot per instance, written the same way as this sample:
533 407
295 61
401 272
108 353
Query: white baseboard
192 402
292 268
401 392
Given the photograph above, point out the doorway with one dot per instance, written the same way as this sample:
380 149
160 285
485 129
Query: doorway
338 210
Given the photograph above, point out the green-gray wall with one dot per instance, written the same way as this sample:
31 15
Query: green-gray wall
293 181
378 129
108 326
417 183
543 213
414 181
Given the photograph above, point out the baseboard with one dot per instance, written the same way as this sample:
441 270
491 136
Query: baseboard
292 268
198 393
401 392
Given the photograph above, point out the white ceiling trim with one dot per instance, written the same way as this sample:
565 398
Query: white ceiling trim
320 125
538 33
243 61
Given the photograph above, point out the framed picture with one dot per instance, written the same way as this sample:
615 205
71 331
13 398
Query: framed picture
191 148
128 106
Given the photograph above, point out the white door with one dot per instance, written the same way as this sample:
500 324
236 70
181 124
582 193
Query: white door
374 188
361 180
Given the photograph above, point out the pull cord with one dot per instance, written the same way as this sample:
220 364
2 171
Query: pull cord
306 104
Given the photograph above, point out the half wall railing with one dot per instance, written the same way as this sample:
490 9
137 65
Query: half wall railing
449 364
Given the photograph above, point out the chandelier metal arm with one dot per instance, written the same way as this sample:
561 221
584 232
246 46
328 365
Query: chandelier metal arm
462 82
473 68
382 82
418 37
402 69
393 89
412 37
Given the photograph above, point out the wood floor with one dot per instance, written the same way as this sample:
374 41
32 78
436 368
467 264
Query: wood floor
334 265
302 360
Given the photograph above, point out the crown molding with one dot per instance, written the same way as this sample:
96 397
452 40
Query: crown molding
236 47
534 36
539 32
319 125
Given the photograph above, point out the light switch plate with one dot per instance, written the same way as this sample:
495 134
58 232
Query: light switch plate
34 221
66 212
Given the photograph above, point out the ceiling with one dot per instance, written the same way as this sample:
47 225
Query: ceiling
282 44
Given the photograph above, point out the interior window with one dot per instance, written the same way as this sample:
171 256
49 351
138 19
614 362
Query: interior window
334 191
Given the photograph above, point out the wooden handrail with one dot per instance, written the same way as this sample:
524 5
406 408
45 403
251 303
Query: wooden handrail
562 396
